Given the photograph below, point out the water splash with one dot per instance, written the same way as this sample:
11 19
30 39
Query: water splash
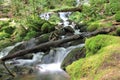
28 62
52 69
51 72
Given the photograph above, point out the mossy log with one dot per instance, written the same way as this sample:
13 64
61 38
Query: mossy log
70 9
57 43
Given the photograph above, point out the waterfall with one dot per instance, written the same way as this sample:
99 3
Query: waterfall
50 68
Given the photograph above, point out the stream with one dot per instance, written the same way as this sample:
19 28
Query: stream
48 67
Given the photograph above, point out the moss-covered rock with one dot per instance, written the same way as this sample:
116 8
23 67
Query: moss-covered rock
101 66
94 44
96 67
98 25
74 55
117 16
118 31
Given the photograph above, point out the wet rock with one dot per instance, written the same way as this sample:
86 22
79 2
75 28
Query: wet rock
0 75
74 55
81 26
69 29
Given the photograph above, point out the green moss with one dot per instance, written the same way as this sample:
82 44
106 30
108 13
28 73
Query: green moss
47 27
30 34
90 67
117 16
98 25
94 44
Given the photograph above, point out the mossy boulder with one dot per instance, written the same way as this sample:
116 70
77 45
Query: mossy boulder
101 66
97 67
73 55
94 44
118 31
47 27
117 16
98 25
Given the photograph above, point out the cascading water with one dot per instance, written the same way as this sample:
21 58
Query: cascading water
5 51
50 69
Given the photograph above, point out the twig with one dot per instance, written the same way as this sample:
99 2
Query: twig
8 70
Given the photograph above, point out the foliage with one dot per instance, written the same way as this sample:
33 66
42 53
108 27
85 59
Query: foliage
76 17
30 35
112 7
47 27
117 16
19 32
94 44
4 35
35 23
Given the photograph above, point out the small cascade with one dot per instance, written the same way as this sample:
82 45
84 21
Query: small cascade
64 18
77 3
45 16
5 51
50 67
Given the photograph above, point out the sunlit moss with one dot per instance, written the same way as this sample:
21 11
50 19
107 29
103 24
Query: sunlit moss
94 44
105 49
98 25
89 67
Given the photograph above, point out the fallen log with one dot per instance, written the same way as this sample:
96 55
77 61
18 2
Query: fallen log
56 43
70 9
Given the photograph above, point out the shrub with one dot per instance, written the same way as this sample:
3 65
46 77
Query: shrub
76 17
117 16
112 7
35 23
